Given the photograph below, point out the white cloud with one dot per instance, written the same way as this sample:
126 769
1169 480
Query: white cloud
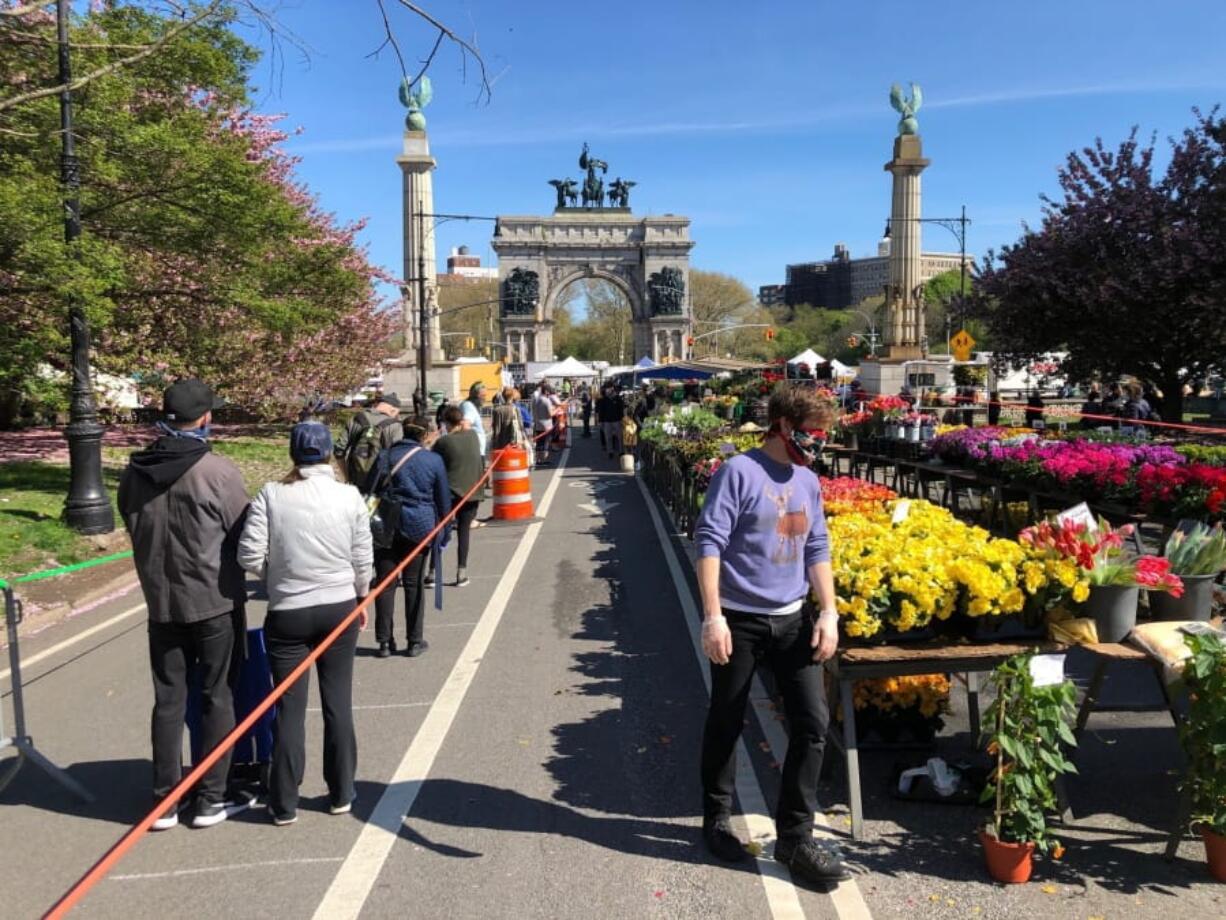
493 136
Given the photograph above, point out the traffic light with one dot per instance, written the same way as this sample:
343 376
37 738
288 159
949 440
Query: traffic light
469 342
689 340
770 335
853 341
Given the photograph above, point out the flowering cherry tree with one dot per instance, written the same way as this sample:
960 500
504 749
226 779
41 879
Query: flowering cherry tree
201 252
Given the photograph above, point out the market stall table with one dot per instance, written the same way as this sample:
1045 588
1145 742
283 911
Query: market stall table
931 657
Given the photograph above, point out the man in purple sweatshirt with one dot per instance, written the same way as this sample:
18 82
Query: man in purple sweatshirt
762 546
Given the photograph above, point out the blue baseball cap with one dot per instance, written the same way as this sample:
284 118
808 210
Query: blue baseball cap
310 442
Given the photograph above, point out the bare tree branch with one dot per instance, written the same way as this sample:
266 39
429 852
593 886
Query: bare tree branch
110 68
389 39
466 48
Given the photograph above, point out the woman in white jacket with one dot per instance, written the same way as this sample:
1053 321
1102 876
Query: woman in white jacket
308 537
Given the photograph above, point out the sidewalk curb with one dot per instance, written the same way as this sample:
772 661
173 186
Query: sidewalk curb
37 619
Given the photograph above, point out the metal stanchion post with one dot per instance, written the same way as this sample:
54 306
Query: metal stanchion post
22 742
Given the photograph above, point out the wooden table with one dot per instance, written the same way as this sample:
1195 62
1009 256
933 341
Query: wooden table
940 657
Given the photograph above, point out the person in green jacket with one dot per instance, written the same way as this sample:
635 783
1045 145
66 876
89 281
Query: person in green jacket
461 453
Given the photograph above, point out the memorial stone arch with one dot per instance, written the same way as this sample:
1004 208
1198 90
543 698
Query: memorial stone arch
646 258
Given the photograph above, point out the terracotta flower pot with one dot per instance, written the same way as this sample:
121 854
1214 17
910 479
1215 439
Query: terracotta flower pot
1010 863
1215 852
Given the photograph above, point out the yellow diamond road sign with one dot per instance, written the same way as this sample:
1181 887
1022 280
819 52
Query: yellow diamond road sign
962 344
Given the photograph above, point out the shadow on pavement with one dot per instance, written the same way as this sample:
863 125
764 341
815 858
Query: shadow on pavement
121 788
455 803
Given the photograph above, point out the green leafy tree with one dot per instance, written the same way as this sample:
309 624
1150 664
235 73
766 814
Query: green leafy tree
459 321
201 253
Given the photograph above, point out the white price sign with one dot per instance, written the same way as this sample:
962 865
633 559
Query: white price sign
1046 670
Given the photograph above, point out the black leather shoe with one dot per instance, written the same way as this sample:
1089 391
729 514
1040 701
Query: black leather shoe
417 648
722 843
385 649
816 861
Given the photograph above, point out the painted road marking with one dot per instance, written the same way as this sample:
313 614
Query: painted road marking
780 894
79 637
379 705
205 870
351 887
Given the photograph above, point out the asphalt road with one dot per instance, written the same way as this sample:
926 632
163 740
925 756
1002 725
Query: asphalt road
546 748
545 753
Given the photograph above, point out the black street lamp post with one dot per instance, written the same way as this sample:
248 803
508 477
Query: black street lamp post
424 315
88 510
956 226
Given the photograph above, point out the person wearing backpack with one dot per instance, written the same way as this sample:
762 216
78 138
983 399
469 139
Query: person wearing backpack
413 479
370 432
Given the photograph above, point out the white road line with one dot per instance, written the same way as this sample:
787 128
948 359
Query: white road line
79 637
848 902
378 705
351 887
205 870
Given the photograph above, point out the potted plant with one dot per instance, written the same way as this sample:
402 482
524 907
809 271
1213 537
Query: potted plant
1197 554
1029 722
1114 576
1203 733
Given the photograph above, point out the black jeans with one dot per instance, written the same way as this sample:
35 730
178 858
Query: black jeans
175 650
291 635
463 520
781 643
412 578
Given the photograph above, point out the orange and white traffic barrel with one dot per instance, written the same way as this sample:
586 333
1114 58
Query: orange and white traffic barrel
512 486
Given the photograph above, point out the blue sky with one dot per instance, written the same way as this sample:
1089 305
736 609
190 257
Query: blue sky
767 124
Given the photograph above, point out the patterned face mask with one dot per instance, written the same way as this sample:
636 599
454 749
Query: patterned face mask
803 444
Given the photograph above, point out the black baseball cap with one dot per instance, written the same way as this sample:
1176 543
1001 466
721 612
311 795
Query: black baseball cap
390 398
187 400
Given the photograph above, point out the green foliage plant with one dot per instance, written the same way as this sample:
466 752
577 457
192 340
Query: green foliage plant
1197 550
1029 726
1203 732
1213 454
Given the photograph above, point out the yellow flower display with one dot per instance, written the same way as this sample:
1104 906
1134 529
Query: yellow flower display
929 693
901 576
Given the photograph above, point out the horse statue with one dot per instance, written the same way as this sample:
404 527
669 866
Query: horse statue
619 192
568 192
593 185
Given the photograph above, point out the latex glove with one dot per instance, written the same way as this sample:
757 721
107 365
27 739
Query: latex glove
825 640
717 639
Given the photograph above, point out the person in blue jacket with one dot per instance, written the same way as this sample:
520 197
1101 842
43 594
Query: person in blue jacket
418 480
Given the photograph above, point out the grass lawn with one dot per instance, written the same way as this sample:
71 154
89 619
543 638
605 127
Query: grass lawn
33 536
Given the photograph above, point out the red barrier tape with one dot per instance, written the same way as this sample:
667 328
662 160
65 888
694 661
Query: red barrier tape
1071 413
137 831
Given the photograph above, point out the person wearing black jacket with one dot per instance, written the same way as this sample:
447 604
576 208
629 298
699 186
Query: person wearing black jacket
184 508
1092 411
610 409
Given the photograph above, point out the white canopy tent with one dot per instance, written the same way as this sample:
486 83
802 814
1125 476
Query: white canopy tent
571 367
809 357
840 369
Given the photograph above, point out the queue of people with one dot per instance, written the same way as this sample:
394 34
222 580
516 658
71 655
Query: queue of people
308 537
